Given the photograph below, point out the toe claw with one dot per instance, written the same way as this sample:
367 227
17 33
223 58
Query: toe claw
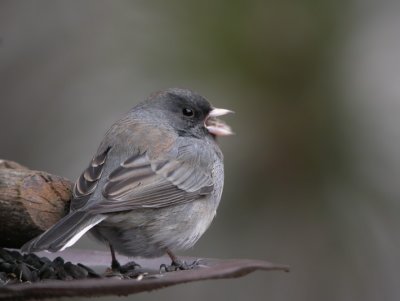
130 266
179 265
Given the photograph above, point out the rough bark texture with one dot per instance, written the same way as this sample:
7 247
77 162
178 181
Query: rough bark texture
30 202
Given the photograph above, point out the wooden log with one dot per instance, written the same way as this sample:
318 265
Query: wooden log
30 202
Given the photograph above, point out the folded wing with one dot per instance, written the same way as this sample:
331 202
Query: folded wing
140 183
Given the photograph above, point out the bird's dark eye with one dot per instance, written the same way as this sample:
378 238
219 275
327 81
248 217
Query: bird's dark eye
187 112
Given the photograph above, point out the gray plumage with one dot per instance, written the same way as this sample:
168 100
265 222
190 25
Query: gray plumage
154 184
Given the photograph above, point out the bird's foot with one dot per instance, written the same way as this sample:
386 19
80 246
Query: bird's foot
128 270
179 265
128 267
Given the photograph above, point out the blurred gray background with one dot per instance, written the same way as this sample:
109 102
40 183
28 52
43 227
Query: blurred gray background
312 174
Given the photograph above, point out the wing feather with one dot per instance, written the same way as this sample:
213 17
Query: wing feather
87 182
140 183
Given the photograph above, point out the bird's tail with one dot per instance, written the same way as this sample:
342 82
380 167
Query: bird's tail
64 233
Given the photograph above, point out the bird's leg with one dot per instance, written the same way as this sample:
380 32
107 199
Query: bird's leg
178 264
114 262
116 266
174 260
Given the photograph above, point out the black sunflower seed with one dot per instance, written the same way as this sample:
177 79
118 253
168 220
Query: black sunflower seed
75 271
22 272
91 272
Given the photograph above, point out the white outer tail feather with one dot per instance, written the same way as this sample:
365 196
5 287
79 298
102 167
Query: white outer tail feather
78 235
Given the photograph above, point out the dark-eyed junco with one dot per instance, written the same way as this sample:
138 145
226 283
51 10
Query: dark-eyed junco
155 183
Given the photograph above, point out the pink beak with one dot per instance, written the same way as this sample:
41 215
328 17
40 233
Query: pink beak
216 126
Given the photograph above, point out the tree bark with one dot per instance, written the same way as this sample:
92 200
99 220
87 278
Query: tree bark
30 202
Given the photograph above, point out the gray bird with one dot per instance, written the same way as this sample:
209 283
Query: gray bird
155 183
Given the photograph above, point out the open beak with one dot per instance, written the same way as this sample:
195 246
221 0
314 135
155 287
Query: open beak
215 126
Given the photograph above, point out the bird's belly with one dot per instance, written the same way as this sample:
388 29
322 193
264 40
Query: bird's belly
150 232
